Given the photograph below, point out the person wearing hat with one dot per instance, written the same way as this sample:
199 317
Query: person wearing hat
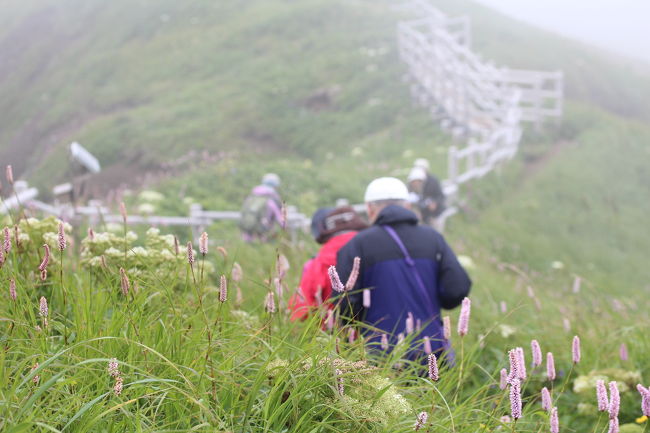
332 230
431 201
261 210
409 270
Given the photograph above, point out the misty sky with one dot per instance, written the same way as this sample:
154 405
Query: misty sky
618 25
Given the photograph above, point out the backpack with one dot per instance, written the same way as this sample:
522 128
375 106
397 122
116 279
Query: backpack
253 217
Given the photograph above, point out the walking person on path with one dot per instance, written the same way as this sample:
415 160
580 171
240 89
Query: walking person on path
409 270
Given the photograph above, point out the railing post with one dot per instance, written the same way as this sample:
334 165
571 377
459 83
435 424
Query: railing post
452 165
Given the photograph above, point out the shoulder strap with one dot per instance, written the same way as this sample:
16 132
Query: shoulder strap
411 264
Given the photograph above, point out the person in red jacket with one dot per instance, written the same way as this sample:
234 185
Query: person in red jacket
333 231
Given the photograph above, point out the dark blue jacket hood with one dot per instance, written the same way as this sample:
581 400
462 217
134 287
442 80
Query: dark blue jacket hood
394 214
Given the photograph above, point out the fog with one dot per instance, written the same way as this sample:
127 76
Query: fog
616 25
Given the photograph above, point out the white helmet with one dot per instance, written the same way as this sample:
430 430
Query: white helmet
386 188
271 179
417 173
422 163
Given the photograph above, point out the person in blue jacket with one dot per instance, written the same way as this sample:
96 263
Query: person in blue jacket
409 270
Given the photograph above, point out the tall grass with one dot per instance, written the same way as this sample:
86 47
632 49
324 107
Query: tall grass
192 363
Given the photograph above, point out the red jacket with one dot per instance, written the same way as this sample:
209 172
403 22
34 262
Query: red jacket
315 278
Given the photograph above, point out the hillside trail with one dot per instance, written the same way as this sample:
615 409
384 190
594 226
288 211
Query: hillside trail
537 165
530 170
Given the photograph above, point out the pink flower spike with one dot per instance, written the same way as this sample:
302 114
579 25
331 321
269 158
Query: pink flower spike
190 253
339 382
546 399
504 307
9 173
223 289
337 286
282 266
463 319
269 304
514 365
537 353
446 327
622 352
17 235
36 378
576 284
550 367
427 345
352 335
555 422
123 211
279 287
384 342
46 258
354 274
236 274
12 289
433 367
329 321
203 244
113 368
124 282
410 325
119 385
421 420
614 400
62 240
515 398
43 310
521 363
7 240
613 425
503 381
645 399
575 349
601 396
366 298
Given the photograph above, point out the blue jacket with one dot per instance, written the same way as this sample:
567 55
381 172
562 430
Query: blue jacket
393 286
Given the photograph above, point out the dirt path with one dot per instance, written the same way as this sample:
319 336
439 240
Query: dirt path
535 166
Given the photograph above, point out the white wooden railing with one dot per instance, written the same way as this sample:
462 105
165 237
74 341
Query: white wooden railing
96 214
475 100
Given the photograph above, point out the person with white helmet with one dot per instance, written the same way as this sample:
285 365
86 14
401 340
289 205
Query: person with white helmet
261 212
409 270
431 198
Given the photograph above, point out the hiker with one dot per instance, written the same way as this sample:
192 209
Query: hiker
261 210
332 230
409 270
431 202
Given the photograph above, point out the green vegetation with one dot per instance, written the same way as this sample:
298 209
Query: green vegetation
311 90
187 361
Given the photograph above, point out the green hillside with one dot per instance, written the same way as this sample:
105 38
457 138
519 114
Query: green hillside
314 91
204 97
247 78
142 83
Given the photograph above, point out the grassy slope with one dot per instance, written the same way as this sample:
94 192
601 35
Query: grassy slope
248 71
547 218
234 78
